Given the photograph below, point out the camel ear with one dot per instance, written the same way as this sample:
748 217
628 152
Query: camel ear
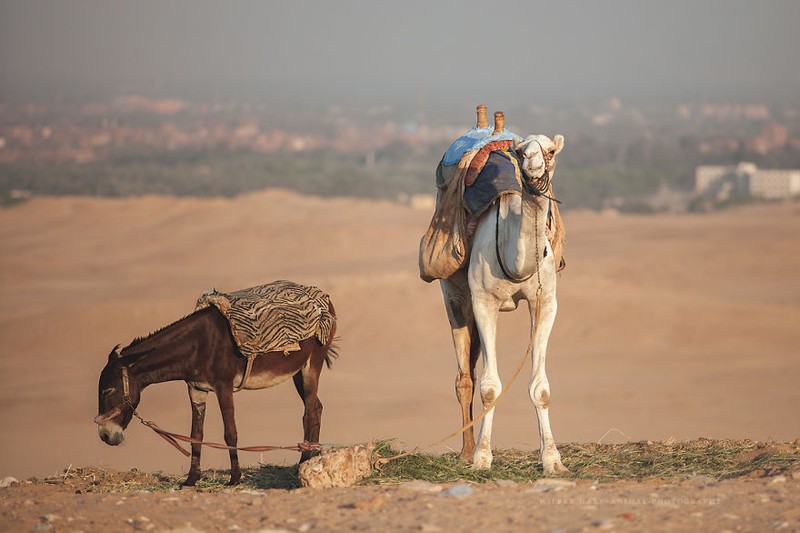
558 140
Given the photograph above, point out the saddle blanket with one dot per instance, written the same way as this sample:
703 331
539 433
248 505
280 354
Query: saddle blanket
475 139
274 317
501 174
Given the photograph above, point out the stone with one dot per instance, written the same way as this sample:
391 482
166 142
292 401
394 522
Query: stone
459 490
418 485
337 467
8 481
551 485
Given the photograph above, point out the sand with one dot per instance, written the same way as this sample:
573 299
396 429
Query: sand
668 326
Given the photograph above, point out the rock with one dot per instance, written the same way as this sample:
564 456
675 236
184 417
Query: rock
459 490
8 481
339 467
421 486
508 483
551 485
778 479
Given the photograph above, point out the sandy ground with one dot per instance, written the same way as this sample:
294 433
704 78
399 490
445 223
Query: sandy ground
700 504
668 327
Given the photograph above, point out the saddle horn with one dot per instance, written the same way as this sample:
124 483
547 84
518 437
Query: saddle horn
499 122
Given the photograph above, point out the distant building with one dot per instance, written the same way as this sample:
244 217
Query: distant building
746 179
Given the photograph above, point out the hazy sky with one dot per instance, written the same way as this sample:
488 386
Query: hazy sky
376 52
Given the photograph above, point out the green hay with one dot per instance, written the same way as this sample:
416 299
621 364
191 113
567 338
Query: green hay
634 461
716 459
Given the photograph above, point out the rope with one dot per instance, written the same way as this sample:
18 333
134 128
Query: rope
173 439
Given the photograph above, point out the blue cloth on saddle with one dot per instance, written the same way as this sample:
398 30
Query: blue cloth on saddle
501 175
475 139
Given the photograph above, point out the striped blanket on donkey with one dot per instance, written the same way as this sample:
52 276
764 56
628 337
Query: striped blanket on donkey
273 317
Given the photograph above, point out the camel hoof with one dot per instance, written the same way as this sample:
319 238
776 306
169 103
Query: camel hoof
482 461
556 468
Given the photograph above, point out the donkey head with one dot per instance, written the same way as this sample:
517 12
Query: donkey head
118 396
538 154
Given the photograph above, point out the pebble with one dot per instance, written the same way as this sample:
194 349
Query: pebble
374 503
551 485
605 523
8 481
506 483
430 528
778 479
49 517
459 490
421 486
141 524
307 526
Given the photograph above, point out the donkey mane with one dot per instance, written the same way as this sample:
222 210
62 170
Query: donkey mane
139 340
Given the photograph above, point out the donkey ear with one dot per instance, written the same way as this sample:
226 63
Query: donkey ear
115 354
558 140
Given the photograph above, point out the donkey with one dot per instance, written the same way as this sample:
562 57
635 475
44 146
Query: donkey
200 350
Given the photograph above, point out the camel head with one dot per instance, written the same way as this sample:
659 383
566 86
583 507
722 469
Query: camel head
538 154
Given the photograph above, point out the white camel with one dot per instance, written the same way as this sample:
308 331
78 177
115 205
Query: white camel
510 260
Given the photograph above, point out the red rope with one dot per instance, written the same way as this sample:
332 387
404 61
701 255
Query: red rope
173 439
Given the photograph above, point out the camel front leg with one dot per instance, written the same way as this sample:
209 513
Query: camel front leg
486 311
225 398
539 389
198 399
467 347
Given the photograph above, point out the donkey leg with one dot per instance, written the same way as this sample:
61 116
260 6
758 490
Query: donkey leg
225 398
467 344
486 311
307 384
539 389
198 399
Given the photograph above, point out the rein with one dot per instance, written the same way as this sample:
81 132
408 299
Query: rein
173 439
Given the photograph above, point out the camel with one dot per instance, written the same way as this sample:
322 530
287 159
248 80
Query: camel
510 260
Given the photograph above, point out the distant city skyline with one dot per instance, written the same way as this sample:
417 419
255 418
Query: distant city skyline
404 53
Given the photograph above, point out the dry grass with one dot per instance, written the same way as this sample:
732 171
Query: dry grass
635 461
717 459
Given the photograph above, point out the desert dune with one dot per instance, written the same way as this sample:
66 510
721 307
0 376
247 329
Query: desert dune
669 326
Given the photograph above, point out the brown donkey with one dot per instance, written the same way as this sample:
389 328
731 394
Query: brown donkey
200 350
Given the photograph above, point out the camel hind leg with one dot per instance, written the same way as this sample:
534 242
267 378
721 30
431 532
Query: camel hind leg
467 347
